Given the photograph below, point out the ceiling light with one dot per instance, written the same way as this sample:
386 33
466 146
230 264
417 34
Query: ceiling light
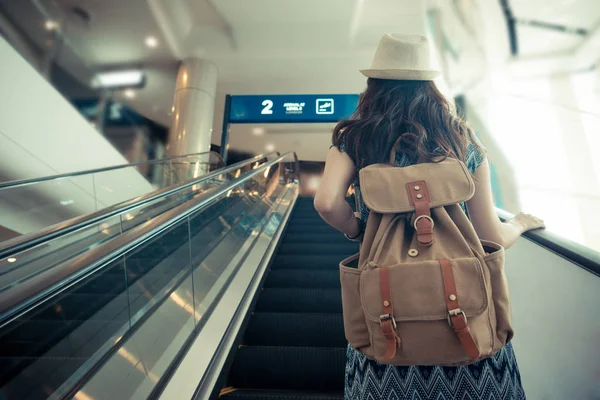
11 260
51 25
119 79
258 131
66 202
129 93
151 42
270 147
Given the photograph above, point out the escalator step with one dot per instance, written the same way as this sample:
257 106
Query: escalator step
343 249
306 217
295 329
305 202
294 300
308 222
280 395
308 212
309 205
314 238
330 262
305 210
301 278
289 368
309 229
313 215
309 201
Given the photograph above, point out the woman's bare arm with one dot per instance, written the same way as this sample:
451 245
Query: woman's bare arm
483 214
330 200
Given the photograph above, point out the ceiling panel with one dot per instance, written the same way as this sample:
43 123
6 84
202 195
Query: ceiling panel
572 13
116 34
255 12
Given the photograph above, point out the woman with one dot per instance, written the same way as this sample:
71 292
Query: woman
402 105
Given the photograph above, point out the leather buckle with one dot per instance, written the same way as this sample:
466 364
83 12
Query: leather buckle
387 317
453 313
419 218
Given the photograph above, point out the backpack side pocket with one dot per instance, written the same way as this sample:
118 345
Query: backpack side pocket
500 295
355 325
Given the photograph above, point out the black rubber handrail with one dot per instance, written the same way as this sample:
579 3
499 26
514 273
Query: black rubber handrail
24 242
576 253
27 182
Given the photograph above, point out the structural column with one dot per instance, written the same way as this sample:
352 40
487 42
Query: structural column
193 108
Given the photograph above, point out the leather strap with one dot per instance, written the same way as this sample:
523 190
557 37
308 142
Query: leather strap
424 223
388 324
394 150
356 203
408 137
456 317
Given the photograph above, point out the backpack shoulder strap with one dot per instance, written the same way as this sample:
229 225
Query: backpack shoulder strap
356 203
392 159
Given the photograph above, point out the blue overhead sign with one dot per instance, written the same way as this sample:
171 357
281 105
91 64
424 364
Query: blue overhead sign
291 108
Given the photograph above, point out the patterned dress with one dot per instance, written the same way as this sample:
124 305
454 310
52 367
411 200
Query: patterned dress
495 378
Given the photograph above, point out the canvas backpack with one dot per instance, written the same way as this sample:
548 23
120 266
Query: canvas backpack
424 290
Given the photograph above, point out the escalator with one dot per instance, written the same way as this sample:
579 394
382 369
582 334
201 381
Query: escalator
294 346
77 296
46 346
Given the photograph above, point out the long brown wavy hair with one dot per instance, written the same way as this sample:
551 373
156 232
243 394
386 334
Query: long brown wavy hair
413 114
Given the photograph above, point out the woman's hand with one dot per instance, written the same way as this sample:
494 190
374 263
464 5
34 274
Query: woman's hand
527 222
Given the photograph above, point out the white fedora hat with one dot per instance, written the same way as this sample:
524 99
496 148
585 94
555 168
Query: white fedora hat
402 57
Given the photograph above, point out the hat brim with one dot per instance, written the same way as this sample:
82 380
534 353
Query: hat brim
401 74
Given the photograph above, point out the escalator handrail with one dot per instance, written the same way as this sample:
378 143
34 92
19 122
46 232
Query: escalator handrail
52 282
26 182
27 241
580 255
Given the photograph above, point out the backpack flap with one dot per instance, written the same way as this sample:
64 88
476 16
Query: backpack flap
383 186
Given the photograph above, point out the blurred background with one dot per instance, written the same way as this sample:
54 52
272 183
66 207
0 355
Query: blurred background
157 159
524 74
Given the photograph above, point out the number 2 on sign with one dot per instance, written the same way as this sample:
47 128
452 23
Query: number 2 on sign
268 105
